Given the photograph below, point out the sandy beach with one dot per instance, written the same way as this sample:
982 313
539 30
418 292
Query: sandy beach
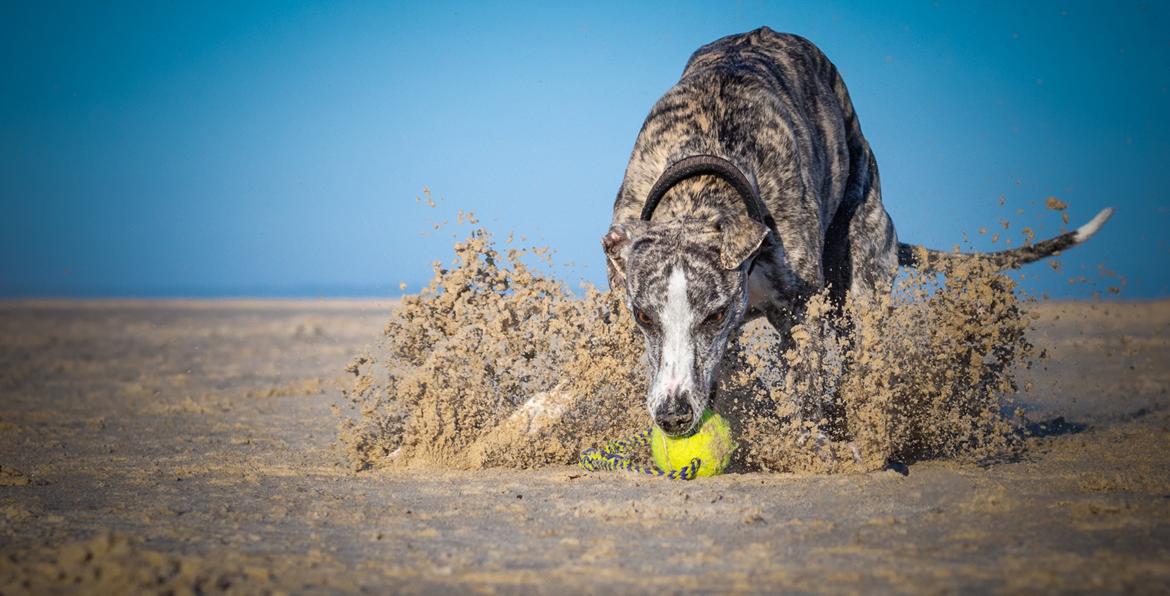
170 445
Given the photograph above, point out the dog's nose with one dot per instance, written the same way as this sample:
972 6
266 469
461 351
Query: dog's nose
675 415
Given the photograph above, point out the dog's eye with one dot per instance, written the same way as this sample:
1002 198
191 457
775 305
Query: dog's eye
643 317
716 317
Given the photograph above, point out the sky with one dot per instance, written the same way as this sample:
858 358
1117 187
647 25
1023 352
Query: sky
277 148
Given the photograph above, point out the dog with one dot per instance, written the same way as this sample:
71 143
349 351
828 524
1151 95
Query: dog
749 189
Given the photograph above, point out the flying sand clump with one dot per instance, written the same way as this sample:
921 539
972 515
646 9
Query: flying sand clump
928 370
497 363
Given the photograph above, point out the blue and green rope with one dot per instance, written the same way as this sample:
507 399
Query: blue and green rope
615 456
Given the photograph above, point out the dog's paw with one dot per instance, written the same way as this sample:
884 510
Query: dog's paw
854 451
819 443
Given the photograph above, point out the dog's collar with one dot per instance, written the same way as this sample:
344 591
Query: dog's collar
699 165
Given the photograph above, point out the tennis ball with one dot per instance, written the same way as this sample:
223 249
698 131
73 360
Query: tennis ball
711 443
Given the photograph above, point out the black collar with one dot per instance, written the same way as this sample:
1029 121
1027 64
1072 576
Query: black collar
699 165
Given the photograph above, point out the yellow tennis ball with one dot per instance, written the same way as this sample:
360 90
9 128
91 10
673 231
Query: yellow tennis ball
711 443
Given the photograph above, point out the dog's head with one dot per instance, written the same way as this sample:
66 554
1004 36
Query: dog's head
686 285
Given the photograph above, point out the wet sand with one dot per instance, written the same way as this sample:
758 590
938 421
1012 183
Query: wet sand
169 445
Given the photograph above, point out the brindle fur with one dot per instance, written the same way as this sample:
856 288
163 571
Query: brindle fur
774 106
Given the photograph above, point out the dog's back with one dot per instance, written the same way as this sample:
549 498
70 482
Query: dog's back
749 190
775 106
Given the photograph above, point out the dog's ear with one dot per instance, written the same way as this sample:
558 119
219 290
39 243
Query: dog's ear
616 243
740 238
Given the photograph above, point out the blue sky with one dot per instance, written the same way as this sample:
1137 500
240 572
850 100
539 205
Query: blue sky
191 148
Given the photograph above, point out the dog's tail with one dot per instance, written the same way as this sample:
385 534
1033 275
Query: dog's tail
925 259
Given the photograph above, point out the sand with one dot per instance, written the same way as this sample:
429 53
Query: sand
164 446
498 362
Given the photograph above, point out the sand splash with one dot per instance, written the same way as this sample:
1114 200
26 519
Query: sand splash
925 371
498 363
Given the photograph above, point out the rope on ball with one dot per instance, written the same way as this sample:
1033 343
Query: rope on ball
613 457
675 457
